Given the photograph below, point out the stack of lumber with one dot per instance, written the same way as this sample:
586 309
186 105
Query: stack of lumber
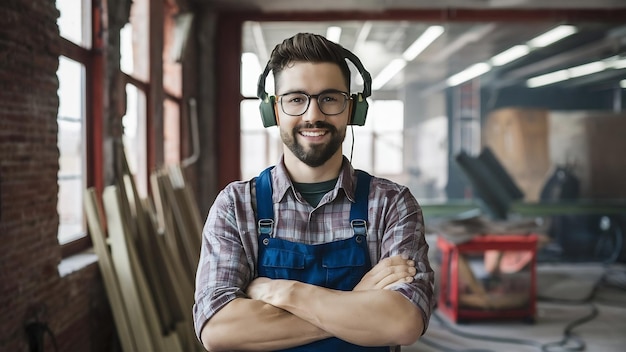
148 260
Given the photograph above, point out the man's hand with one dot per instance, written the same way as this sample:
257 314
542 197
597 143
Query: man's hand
388 272
259 289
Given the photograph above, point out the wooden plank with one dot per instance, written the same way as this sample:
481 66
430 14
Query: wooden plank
172 238
181 283
114 293
162 339
189 203
126 276
181 278
190 252
157 199
147 256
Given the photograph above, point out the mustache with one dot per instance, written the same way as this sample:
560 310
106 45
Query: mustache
317 124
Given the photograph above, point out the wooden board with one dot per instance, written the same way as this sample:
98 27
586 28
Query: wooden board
135 302
114 293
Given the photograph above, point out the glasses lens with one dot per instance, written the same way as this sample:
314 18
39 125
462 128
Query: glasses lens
294 103
332 103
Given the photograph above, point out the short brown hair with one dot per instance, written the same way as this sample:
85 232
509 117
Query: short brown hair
308 47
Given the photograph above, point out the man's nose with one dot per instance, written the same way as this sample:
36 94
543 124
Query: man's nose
313 113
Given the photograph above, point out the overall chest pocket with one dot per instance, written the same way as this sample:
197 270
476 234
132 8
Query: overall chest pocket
279 263
345 267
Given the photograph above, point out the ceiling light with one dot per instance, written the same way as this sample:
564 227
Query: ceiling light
333 33
586 69
510 55
421 43
622 83
469 73
548 78
552 36
387 73
616 62
573 72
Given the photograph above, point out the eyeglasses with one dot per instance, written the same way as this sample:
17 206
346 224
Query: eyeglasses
329 103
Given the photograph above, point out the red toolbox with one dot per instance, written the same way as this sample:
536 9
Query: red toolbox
488 277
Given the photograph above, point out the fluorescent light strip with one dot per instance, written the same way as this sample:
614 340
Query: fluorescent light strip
518 51
573 72
421 43
510 55
552 36
548 78
418 46
362 36
616 62
333 33
387 73
587 69
540 41
469 73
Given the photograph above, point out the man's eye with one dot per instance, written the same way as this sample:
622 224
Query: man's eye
296 100
328 98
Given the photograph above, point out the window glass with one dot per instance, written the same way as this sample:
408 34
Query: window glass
75 21
250 71
126 49
260 147
71 144
387 124
134 138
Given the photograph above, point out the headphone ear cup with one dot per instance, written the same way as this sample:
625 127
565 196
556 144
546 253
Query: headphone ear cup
268 115
359 109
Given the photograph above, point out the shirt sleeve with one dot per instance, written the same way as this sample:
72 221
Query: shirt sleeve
224 268
404 234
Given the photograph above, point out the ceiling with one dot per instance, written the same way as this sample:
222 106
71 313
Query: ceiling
463 43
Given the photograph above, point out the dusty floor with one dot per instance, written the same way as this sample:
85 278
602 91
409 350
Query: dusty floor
567 293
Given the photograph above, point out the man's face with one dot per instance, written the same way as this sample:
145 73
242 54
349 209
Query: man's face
312 137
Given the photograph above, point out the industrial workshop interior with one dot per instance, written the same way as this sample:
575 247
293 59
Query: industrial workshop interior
120 121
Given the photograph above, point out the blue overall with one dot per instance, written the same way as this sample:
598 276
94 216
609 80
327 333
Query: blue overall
338 265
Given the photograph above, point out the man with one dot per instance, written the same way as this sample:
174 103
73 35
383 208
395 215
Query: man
300 278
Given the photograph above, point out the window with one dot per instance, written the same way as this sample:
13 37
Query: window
71 139
74 25
133 62
145 148
134 138
378 145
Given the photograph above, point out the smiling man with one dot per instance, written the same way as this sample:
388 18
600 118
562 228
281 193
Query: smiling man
313 255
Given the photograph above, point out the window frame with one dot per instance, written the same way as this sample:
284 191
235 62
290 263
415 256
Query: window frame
92 58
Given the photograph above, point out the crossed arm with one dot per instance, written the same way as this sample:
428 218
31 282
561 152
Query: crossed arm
283 313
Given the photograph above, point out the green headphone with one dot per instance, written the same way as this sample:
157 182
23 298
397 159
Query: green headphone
359 102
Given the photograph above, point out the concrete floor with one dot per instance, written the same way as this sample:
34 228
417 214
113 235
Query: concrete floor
567 293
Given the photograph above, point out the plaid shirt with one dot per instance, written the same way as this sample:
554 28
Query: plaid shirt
228 258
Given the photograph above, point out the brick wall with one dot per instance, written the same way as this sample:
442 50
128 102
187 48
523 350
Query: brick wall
75 306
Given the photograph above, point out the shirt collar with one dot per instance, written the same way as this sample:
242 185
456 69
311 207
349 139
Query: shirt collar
281 182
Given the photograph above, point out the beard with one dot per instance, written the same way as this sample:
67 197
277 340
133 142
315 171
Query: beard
317 154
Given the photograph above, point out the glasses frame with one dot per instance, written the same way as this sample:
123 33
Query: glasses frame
316 96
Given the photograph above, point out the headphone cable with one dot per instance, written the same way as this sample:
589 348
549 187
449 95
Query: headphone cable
352 147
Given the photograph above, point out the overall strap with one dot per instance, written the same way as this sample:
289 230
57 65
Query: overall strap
358 211
361 195
264 205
